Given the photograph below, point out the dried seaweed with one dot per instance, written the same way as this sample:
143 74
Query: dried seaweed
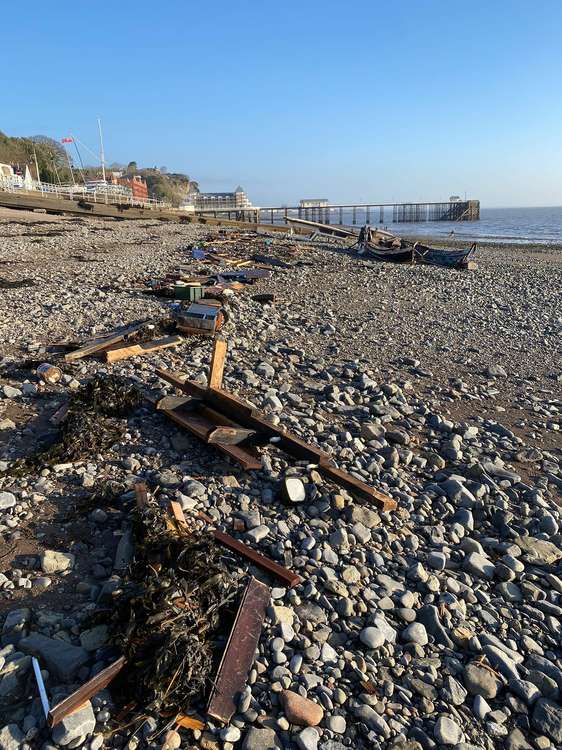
168 614
93 424
18 284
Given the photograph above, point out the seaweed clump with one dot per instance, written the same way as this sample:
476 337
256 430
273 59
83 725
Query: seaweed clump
166 618
94 422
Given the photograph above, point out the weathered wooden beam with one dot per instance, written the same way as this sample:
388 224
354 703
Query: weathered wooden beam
217 361
134 350
229 435
246 416
102 343
284 574
202 427
239 653
93 348
355 486
141 494
84 693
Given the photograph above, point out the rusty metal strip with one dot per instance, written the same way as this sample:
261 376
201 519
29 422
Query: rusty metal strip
84 693
239 652
284 574
141 494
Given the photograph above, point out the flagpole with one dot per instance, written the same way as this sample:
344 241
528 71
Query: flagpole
101 151
70 166
80 160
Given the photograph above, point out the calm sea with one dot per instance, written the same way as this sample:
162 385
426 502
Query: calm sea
540 225
513 225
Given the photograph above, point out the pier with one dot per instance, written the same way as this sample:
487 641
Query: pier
360 213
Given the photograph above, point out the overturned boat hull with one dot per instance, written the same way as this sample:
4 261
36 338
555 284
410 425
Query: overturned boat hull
442 257
386 247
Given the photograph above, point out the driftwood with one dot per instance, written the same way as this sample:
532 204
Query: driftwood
76 699
135 350
244 415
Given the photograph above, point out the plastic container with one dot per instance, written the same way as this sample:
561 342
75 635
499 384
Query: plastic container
191 292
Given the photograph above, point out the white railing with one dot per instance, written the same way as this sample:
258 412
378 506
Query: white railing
97 194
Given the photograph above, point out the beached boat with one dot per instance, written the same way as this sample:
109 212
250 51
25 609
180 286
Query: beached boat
388 247
443 257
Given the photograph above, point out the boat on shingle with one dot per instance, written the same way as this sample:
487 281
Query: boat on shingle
381 245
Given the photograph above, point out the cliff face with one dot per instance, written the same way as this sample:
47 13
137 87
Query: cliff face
171 187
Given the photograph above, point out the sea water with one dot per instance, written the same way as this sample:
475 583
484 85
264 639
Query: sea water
500 225
505 225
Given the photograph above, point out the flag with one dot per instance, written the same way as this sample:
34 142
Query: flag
67 140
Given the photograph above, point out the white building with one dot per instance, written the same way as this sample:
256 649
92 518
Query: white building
237 200
314 203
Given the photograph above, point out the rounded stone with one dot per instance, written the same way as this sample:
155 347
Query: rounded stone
372 637
447 732
301 711
336 724
415 633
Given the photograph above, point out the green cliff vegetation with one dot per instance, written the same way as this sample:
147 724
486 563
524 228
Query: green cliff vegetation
51 157
53 162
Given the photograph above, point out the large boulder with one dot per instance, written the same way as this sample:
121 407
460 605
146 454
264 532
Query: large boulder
62 659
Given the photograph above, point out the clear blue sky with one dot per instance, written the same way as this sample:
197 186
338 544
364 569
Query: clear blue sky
357 101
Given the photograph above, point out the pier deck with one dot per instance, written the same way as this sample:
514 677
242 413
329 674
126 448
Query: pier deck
359 213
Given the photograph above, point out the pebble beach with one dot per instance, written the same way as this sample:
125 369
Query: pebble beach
435 626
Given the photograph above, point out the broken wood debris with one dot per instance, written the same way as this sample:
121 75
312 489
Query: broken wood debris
134 350
76 699
239 653
141 495
217 362
189 722
289 577
203 424
102 342
169 612
243 415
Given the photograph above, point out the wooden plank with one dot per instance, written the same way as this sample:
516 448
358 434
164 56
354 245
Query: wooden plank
229 435
217 361
203 427
96 346
102 342
177 512
84 693
288 577
135 350
174 402
356 486
239 653
246 416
